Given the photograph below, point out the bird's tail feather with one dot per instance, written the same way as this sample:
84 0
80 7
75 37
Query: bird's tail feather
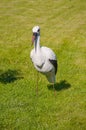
50 77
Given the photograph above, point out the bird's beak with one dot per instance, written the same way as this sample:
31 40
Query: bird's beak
33 37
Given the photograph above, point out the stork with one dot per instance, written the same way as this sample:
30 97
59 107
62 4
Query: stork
43 58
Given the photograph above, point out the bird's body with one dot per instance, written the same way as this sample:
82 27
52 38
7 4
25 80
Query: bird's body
43 58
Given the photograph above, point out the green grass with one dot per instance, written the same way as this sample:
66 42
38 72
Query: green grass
63 29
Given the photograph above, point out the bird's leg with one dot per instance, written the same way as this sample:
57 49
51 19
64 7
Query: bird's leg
37 83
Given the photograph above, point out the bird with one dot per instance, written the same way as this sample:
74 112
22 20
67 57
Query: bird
43 58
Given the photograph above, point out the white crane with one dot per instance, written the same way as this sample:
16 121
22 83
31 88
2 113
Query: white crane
43 58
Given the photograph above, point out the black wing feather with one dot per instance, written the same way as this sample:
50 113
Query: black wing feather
54 63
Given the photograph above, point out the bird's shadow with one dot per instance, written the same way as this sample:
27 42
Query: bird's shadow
10 76
62 85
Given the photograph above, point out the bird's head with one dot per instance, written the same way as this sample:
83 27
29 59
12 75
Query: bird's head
36 32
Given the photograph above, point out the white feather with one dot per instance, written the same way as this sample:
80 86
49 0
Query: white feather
40 57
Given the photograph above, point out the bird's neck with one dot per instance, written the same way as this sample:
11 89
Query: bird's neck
37 44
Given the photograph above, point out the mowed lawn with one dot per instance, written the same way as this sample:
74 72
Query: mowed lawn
63 29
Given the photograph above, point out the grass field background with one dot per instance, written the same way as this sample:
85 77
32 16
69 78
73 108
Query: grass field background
63 29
